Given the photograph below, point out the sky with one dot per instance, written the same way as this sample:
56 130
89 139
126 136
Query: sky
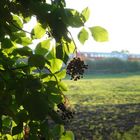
121 18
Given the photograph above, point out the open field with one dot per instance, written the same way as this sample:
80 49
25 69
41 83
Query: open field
107 108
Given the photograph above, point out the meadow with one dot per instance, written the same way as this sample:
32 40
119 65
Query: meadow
107 107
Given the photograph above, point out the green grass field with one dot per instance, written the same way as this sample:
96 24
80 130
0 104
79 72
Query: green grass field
107 107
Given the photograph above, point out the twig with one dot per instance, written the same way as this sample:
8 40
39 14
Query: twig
21 29
73 42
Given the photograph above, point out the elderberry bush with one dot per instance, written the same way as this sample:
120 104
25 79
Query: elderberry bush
76 68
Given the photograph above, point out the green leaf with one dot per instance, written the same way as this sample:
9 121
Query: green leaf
36 105
27 19
17 129
63 86
31 83
38 31
58 130
46 77
83 35
55 65
9 137
51 54
73 18
85 14
16 35
6 122
68 136
61 74
7 43
99 33
61 53
17 21
24 51
55 98
24 41
37 61
69 47
33 127
64 50
22 116
43 47
52 88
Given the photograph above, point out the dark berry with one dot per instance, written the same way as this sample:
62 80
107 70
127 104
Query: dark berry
66 114
76 68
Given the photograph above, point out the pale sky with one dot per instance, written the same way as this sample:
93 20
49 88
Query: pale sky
120 17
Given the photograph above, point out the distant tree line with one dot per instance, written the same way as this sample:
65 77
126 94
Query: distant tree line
112 65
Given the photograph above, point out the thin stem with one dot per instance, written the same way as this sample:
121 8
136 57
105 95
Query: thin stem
73 42
56 81
22 29
54 76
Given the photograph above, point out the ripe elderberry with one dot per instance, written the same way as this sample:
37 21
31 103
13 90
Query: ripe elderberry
66 114
76 68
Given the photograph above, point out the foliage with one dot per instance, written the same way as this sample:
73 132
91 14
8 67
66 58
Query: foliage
30 80
100 34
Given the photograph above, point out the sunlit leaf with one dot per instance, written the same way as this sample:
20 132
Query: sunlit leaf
99 33
61 74
43 47
9 137
55 65
27 19
67 136
38 31
69 47
17 21
51 54
85 14
63 86
25 41
83 35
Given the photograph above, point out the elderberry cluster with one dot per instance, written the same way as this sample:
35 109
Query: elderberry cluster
76 68
66 114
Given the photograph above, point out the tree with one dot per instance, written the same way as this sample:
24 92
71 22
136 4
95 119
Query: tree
31 86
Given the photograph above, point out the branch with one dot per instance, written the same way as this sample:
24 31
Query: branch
47 32
21 29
